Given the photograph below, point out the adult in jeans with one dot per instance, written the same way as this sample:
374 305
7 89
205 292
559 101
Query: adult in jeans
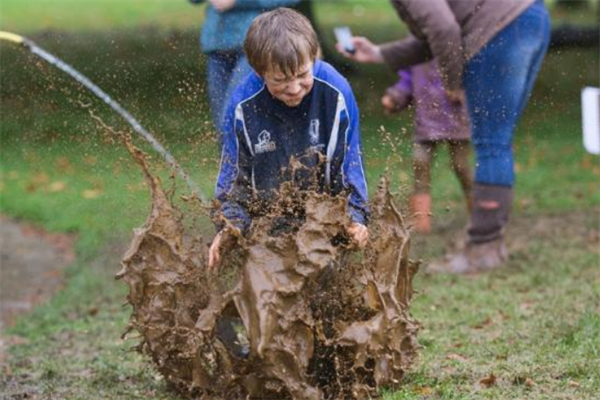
222 39
491 51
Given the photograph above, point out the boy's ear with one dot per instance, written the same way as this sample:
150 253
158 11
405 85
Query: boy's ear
319 55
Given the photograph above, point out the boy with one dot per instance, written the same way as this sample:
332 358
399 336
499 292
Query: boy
292 106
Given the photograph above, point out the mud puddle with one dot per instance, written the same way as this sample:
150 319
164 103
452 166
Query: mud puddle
32 262
288 315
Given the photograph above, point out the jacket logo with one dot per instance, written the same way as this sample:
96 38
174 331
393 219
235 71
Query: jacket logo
265 144
313 131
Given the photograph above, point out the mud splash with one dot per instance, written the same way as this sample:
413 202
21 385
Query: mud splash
319 320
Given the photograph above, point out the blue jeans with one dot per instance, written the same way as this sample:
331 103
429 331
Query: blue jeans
498 81
225 70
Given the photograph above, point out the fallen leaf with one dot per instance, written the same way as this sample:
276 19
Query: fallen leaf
57 186
518 167
36 181
457 357
573 384
488 381
529 382
504 316
525 306
404 177
91 193
424 390
63 165
481 325
525 202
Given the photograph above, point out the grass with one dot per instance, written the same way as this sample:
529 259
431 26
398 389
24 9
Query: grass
26 16
533 325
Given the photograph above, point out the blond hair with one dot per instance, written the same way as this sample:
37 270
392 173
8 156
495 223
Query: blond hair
281 38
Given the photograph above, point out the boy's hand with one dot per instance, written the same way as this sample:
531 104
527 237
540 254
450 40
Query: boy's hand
365 51
359 234
222 5
214 253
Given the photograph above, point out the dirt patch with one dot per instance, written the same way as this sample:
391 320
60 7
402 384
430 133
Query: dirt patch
32 262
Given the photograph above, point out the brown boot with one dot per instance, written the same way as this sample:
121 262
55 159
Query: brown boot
472 259
485 249
420 207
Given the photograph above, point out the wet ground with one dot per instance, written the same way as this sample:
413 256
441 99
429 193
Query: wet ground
32 262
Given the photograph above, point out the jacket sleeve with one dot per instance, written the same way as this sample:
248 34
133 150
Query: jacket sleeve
405 53
233 188
440 36
402 91
350 154
405 83
264 4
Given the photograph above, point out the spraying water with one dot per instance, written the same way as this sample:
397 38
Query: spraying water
168 157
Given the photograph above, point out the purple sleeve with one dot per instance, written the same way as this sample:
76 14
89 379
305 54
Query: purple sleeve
405 82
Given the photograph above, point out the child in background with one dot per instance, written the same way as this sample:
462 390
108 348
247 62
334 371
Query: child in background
222 40
437 120
292 106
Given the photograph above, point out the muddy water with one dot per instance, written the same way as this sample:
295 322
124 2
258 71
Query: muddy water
319 319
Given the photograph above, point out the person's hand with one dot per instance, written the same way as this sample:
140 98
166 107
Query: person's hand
222 5
214 253
388 104
359 234
365 51
457 96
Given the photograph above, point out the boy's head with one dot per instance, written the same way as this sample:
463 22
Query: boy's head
282 46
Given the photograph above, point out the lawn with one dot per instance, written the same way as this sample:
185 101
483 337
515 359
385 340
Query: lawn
528 331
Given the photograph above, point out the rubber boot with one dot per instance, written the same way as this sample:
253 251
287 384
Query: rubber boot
485 248
420 207
226 332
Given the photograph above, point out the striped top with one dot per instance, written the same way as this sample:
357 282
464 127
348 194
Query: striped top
261 136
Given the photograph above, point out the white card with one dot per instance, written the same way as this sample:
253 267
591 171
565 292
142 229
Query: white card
590 106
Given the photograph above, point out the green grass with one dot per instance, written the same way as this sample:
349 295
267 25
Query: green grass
534 325
27 16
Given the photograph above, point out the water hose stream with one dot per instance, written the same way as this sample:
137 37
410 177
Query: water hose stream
35 49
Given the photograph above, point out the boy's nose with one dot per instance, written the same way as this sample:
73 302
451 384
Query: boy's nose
294 88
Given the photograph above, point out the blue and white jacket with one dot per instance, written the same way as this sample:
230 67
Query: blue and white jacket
261 135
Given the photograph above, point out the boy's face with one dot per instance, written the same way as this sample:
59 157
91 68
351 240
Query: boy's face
290 89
